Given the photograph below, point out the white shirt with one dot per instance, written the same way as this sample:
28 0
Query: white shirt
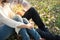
4 19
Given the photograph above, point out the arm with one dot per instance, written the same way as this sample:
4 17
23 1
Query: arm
11 23
14 24
8 21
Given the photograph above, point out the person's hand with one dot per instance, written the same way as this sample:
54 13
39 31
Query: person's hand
32 23
42 39
29 26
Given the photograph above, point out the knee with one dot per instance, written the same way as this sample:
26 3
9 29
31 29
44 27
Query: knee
33 9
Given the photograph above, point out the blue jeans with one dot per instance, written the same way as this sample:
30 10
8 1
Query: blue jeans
24 32
6 31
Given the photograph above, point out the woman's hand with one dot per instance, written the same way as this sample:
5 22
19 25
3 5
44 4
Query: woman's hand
30 26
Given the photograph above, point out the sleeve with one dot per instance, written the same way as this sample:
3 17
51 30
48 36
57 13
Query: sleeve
10 22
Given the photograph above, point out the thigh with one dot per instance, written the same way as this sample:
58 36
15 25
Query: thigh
5 32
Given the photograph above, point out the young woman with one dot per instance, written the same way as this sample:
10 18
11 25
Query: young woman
10 21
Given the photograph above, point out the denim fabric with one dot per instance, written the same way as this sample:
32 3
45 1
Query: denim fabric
34 34
6 31
24 33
